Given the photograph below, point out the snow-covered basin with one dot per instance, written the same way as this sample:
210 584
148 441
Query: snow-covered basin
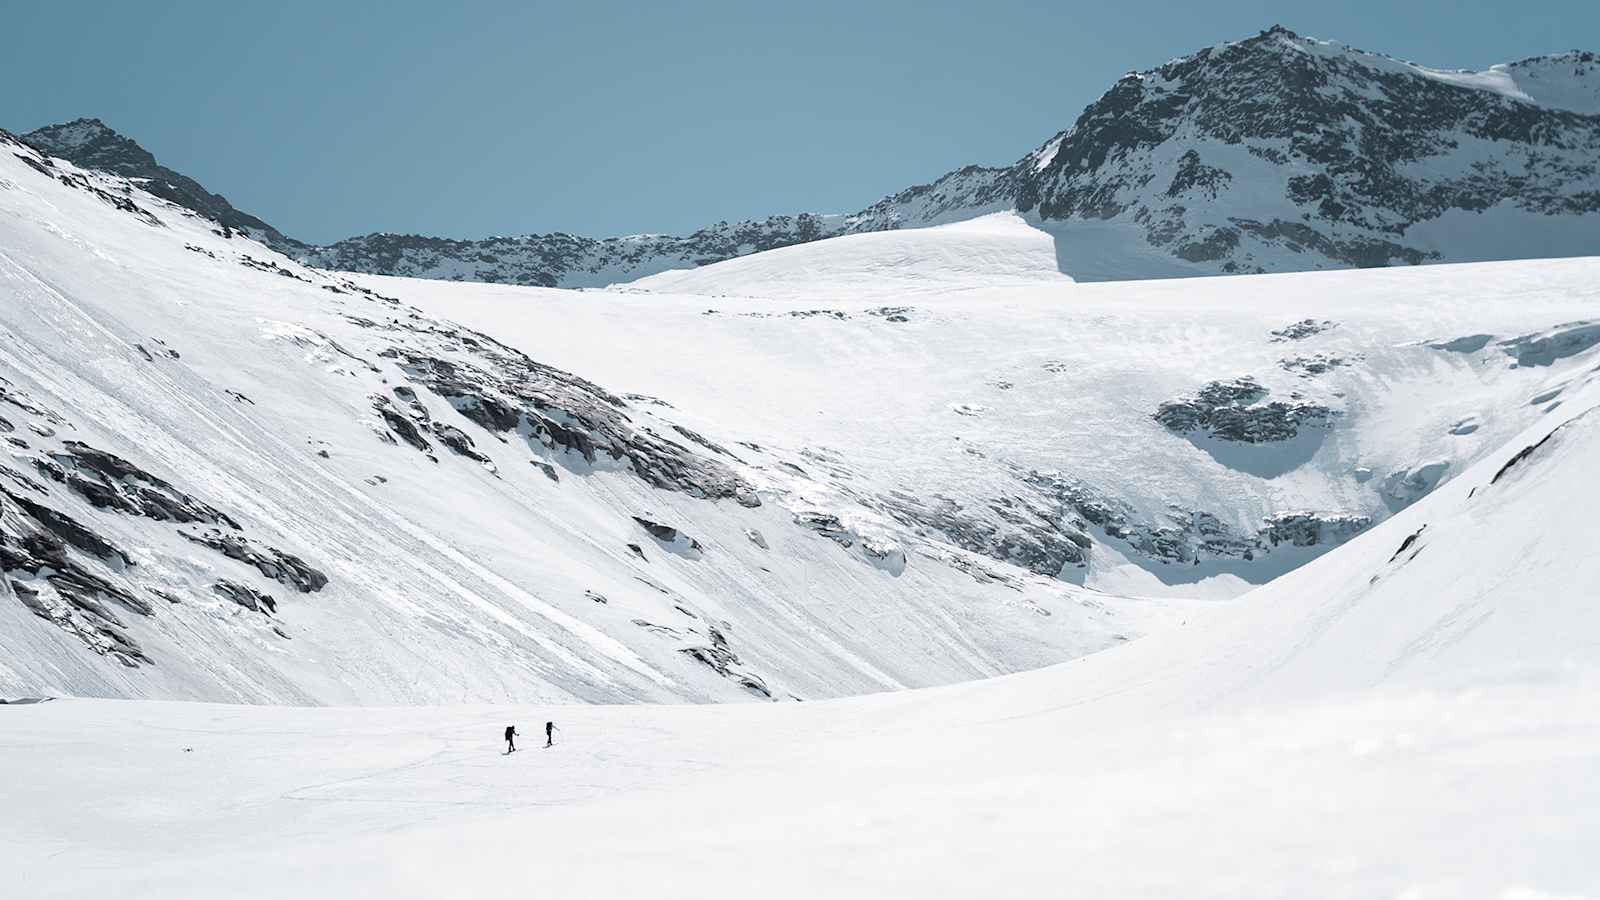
981 382
1404 717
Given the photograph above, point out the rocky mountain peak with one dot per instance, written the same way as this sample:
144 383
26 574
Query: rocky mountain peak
78 134
91 144
1278 152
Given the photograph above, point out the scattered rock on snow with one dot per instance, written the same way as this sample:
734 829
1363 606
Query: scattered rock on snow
285 568
245 596
669 537
1229 411
1299 331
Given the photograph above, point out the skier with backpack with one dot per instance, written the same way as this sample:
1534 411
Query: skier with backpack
511 735
549 733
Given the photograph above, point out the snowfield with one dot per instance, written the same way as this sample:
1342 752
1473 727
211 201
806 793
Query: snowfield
1412 715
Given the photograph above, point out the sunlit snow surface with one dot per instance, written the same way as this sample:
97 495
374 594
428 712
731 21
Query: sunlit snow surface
1411 714
1379 724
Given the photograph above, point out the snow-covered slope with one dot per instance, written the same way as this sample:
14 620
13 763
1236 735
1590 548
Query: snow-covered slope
1150 438
739 498
997 250
1276 153
229 477
1410 716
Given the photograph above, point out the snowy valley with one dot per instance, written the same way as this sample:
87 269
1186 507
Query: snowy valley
1274 583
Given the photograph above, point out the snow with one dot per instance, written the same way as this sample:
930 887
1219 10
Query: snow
1495 80
1412 724
996 249
484 592
1086 365
1569 81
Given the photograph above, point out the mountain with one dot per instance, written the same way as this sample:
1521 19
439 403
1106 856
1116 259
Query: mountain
1282 153
1411 715
229 476
89 144
1273 154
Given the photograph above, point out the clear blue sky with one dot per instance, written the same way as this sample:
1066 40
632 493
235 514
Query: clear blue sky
466 119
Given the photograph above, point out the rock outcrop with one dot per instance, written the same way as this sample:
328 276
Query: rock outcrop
1231 411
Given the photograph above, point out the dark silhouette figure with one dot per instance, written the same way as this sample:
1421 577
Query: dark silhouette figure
511 738
549 733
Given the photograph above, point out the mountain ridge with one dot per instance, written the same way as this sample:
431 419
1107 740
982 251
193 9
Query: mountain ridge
1240 157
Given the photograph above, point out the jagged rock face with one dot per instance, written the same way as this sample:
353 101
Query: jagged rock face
1018 530
1231 411
108 481
285 568
1275 153
507 392
1188 536
65 571
37 559
1242 153
90 144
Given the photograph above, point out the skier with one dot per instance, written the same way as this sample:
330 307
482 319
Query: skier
549 733
511 734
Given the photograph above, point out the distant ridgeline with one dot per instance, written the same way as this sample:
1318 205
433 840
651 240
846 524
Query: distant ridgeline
1275 153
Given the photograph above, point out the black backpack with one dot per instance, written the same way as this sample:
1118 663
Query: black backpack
510 730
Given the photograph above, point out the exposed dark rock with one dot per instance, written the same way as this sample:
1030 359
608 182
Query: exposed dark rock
1299 331
1229 411
245 596
1523 454
1365 148
43 575
826 524
666 534
1186 536
282 567
401 425
1193 175
90 144
722 660
1315 364
703 441
1307 529
68 529
1406 544
504 390
1012 529
458 441
108 481
892 313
